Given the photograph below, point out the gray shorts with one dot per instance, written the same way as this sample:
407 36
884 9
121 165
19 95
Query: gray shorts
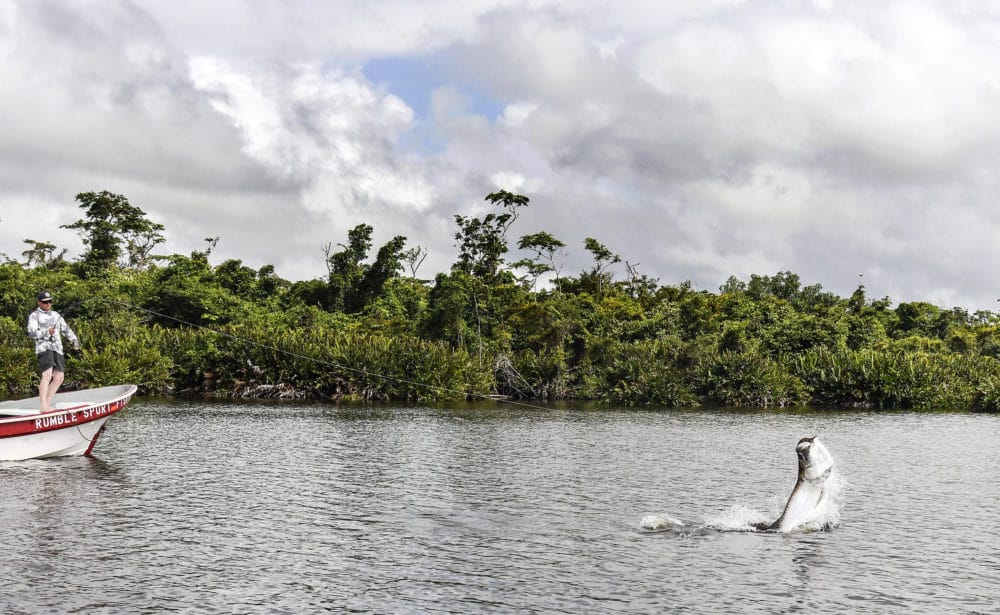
51 358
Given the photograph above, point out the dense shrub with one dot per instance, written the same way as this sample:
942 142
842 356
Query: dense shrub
646 372
180 324
748 379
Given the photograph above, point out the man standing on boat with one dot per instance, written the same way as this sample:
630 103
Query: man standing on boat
47 327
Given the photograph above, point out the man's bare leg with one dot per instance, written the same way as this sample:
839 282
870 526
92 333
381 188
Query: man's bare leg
43 389
57 379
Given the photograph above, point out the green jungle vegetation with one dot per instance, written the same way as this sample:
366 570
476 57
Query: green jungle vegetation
372 330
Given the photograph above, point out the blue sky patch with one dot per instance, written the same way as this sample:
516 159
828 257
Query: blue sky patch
414 78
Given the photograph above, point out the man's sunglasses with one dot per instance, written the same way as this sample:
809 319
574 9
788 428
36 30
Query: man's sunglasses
49 301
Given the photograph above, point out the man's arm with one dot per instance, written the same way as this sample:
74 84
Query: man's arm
64 328
34 332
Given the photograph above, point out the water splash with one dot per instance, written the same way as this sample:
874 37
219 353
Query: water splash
660 523
743 518
829 517
739 518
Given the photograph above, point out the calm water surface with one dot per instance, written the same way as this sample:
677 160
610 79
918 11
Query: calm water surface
286 508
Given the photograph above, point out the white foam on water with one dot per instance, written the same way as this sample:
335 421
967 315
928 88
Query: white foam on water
660 523
739 518
743 518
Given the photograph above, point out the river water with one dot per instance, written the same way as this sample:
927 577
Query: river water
305 508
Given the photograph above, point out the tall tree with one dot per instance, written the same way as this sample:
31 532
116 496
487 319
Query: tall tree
482 243
549 255
42 254
110 223
353 284
387 265
414 258
603 258
345 268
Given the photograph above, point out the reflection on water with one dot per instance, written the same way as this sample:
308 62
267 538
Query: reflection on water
264 508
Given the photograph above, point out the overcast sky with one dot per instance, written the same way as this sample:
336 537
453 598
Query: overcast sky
699 139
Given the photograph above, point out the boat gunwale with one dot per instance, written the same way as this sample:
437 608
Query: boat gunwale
124 392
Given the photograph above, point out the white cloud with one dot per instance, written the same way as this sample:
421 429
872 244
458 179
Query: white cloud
261 32
517 113
701 139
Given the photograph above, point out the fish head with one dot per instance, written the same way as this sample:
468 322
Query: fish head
814 459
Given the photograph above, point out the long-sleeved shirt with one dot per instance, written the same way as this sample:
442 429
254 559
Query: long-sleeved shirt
39 323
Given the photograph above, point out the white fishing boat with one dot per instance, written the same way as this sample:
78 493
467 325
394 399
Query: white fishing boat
72 428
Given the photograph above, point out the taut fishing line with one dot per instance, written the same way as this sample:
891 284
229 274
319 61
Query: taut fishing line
305 357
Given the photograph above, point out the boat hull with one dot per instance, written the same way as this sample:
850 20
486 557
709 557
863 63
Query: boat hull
72 429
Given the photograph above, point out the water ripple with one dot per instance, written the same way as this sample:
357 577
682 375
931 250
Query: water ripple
278 508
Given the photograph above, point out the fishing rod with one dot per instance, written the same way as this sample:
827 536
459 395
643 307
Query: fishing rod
297 355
